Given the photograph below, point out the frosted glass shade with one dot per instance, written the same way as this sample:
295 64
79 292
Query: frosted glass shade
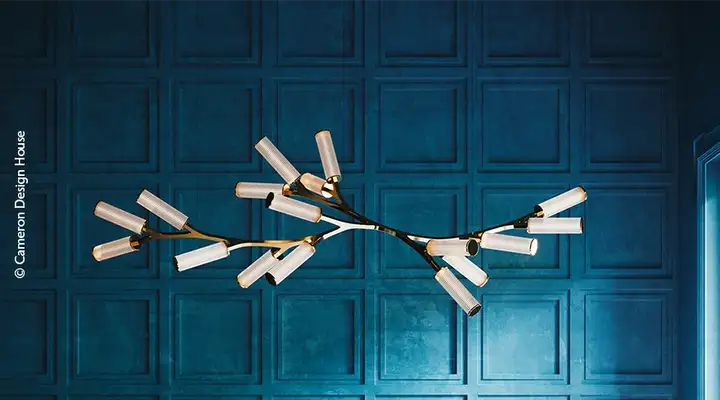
257 269
457 291
277 160
562 202
327 154
257 190
555 225
203 255
468 269
452 247
512 244
119 217
290 263
313 183
294 208
113 249
162 209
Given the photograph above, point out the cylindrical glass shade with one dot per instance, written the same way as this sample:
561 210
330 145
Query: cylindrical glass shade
119 217
257 269
294 208
277 160
313 183
203 255
327 154
257 190
468 269
162 209
512 244
457 291
555 225
290 263
113 249
562 202
452 247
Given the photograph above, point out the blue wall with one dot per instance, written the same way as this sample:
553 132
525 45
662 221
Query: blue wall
446 115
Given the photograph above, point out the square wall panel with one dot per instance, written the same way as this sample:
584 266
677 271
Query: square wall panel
628 338
543 39
628 33
114 337
217 32
422 125
27 33
524 126
88 231
217 337
320 337
114 126
420 338
28 107
525 337
307 107
628 232
628 126
434 211
320 32
27 341
120 33
506 203
431 33
216 124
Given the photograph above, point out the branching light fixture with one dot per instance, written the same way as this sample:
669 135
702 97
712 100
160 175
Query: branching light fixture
286 256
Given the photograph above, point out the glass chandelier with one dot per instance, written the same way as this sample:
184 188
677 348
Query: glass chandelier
286 256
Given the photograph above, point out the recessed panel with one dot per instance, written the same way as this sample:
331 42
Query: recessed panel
320 337
216 126
27 32
217 337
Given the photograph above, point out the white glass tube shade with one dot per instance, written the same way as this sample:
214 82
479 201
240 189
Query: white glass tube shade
119 217
327 154
452 247
257 190
277 160
555 225
290 263
112 249
512 244
163 210
468 269
294 208
562 202
201 256
457 291
313 183
257 269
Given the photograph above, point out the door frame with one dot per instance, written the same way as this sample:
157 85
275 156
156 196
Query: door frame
706 151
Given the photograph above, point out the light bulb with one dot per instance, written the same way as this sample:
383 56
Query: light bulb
555 225
562 202
277 160
512 244
457 291
201 256
257 190
468 269
257 269
119 217
327 154
452 247
313 183
290 263
294 208
115 248
162 209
